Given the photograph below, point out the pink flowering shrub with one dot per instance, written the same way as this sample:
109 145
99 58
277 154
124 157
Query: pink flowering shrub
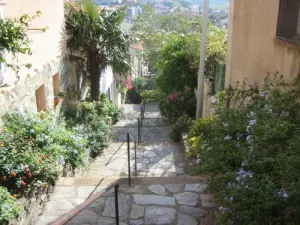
178 104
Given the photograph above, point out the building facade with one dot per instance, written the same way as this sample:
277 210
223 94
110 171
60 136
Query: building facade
34 89
263 37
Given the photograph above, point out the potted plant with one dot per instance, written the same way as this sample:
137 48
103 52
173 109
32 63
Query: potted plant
58 98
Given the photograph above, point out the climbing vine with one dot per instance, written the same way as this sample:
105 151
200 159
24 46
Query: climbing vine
14 38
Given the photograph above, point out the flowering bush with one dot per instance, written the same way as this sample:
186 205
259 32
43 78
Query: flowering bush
252 153
177 104
31 150
139 84
9 209
183 124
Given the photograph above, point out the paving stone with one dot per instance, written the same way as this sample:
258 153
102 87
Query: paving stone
85 217
181 164
159 215
98 206
187 198
105 221
157 189
149 154
45 220
78 201
192 211
200 188
53 207
124 202
174 188
169 174
85 191
63 192
207 201
137 211
136 222
153 199
185 219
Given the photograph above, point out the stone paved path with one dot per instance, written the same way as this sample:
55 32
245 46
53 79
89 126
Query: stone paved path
179 201
156 156
152 205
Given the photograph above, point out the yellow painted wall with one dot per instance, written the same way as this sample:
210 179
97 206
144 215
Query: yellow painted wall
253 50
46 47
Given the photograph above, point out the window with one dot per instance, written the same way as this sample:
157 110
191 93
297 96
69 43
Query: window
40 98
56 84
288 27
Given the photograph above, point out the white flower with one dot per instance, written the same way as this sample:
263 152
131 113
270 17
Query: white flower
263 94
249 138
252 122
214 100
225 124
212 110
198 161
227 138
284 113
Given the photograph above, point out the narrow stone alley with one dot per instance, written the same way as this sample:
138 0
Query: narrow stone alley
161 192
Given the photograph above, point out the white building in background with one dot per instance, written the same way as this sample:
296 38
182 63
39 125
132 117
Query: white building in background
138 66
108 85
133 12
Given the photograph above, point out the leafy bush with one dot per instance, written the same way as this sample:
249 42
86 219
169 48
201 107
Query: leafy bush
9 209
178 104
252 153
31 150
183 124
150 96
94 120
140 84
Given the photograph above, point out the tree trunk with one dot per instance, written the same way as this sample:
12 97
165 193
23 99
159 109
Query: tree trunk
94 71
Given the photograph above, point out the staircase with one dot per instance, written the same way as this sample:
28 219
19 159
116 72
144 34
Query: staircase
160 192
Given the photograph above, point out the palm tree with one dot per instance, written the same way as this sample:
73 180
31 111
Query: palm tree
96 35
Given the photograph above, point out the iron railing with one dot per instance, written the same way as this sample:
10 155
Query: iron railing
129 138
143 107
136 140
117 204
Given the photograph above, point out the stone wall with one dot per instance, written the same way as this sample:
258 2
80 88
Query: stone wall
22 95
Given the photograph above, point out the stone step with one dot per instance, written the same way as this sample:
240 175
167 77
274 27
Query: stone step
147 201
94 181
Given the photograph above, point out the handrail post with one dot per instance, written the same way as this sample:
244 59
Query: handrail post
128 152
141 114
135 158
117 203
139 131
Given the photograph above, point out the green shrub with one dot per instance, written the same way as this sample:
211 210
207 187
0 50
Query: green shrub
140 84
94 122
150 96
183 124
178 104
252 153
9 209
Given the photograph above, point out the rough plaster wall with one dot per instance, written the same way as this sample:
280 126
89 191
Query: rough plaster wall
47 59
254 50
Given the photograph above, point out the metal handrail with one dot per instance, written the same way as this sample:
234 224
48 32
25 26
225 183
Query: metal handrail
117 204
128 156
142 112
